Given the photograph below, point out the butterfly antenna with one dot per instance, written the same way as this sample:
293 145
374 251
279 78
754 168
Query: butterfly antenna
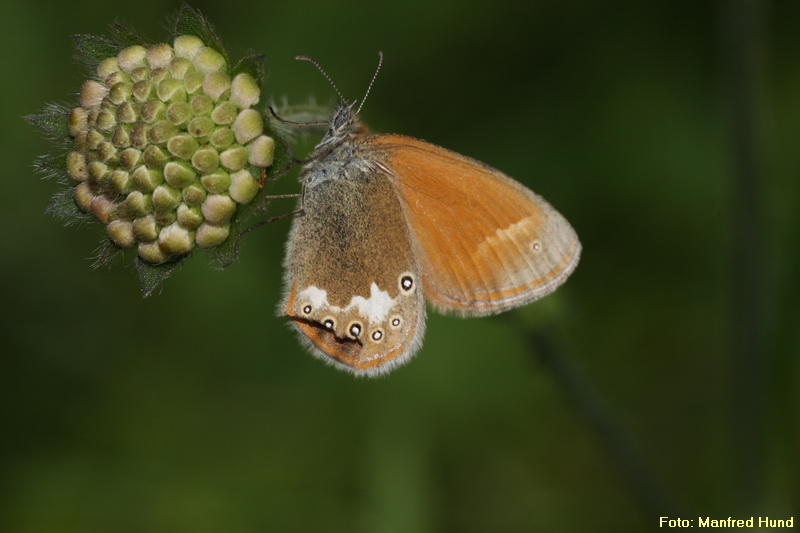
369 88
322 70
292 123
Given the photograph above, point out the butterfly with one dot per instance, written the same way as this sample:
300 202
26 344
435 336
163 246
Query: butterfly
388 223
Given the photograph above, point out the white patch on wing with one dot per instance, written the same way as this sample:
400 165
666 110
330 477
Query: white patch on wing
375 308
316 296
514 247
516 232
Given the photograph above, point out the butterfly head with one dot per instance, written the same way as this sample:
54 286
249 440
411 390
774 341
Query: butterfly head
344 126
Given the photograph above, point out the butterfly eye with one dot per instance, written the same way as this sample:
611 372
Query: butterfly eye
307 310
377 335
406 282
329 323
396 322
537 246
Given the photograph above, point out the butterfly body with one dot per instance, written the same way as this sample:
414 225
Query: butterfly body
390 222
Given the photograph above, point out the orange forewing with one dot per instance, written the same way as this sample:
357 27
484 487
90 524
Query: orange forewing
485 243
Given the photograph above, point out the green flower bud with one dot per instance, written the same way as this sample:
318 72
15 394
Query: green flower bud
152 253
222 138
84 195
142 74
142 90
182 146
201 104
78 122
218 208
216 183
155 157
93 139
193 81
92 94
162 131
76 166
262 151
131 58
102 208
157 75
171 90
105 151
208 60
120 138
244 186
146 179
138 136
106 120
120 92
137 204
81 142
206 160
209 235
166 145
153 111
120 181
179 67
224 113
97 171
107 67
201 127
166 198
216 84
247 126
194 195
244 91
145 228
160 56
179 113
234 158
175 240
130 158
179 174
187 46
121 232
189 217
117 77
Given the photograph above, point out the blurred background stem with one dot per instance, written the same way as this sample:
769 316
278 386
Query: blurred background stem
743 56
645 487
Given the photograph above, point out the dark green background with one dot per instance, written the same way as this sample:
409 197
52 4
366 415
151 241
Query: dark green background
195 410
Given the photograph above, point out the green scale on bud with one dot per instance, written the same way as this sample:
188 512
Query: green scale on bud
166 146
